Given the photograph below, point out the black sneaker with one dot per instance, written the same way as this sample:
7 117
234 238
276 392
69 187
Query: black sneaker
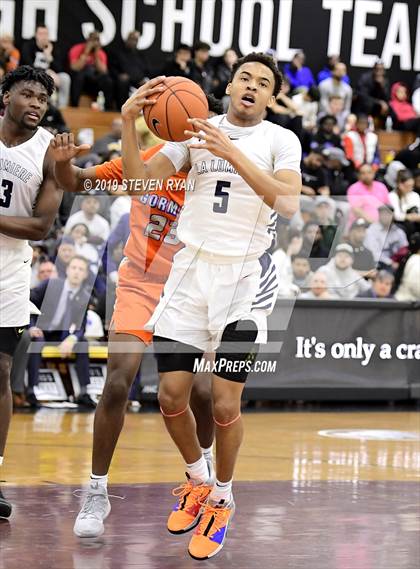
5 507
85 400
33 401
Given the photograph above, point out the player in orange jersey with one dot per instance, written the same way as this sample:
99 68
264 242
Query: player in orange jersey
148 258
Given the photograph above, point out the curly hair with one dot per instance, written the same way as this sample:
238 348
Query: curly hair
266 60
27 73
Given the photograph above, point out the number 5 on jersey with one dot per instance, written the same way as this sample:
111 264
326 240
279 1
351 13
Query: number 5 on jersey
222 206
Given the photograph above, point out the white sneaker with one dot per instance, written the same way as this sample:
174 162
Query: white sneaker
95 509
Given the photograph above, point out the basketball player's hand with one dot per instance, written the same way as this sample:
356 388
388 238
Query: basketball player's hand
63 149
211 138
144 95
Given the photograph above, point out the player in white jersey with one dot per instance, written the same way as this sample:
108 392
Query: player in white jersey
222 284
29 201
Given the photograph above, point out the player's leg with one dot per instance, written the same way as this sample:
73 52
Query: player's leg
202 408
9 338
124 358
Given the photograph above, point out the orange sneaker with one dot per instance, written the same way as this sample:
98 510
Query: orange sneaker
209 537
187 511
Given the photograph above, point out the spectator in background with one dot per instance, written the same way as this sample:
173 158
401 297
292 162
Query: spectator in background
410 155
301 270
41 53
127 67
63 320
406 203
312 247
336 86
344 281
120 206
363 258
224 72
366 196
179 66
409 288
384 239
415 97
102 146
326 137
381 287
404 116
324 216
46 270
361 144
339 175
314 178
284 112
416 174
307 105
88 214
373 92
80 235
65 253
39 254
318 288
297 74
9 55
327 72
117 240
89 66
200 70
336 109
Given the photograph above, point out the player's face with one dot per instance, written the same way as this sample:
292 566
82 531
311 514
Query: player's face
251 91
26 103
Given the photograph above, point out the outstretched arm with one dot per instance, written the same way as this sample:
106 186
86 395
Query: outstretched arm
45 210
280 191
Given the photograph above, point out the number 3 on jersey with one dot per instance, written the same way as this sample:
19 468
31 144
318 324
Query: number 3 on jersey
6 193
222 206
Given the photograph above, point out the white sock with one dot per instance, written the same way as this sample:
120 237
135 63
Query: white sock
207 452
1 460
198 470
101 480
221 491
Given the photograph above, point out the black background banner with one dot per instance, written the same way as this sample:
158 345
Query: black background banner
334 330
359 29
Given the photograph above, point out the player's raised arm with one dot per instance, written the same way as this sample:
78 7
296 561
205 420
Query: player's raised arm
158 167
38 225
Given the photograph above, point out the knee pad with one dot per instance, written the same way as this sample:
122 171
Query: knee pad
175 356
237 351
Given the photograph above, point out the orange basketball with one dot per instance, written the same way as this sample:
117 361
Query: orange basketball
181 100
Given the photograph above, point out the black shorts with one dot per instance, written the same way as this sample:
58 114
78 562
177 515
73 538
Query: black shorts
9 339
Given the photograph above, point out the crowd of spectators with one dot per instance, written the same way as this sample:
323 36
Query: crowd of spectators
356 234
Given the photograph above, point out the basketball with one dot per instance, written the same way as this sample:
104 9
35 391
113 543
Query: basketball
181 100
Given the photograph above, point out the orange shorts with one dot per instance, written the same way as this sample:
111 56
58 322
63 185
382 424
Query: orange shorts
136 300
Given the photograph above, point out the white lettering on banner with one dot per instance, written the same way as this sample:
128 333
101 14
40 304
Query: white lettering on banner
416 63
106 18
358 350
227 23
171 16
284 51
128 19
397 40
363 32
7 16
246 26
30 9
336 23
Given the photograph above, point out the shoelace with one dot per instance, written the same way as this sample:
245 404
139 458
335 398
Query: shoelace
219 514
188 490
93 505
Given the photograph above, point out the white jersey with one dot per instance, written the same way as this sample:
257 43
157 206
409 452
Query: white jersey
21 176
222 214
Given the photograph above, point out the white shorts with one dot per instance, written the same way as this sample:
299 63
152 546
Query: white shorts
201 298
15 283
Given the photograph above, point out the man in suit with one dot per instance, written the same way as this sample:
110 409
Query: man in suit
63 303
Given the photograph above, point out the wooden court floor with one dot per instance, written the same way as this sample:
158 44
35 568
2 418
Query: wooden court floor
304 500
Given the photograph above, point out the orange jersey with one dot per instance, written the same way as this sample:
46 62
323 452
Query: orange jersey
152 242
